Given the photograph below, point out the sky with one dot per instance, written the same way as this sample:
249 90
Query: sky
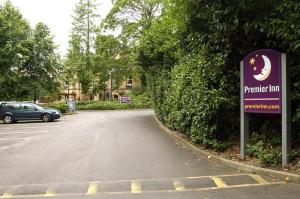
57 14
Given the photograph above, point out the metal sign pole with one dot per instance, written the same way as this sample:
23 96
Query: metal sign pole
286 110
244 117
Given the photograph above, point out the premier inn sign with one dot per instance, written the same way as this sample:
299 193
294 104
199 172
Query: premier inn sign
265 88
262 82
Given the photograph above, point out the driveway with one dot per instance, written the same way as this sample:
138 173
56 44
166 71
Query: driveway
117 154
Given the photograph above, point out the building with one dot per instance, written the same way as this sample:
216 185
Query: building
73 91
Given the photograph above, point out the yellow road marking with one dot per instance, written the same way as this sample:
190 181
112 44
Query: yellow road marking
50 192
7 195
129 180
179 186
93 188
219 182
229 175
157 191
135 187
259 179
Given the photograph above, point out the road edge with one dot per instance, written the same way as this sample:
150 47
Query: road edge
237 165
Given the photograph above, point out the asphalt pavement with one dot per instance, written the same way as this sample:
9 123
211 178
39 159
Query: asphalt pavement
117 154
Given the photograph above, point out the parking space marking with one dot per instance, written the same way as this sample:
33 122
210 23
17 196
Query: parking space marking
50 191
8 146
10 139
7 195
258 179
135 187
229 175
93 188
23 132
12 145
152 191
219 182
179 186
32 127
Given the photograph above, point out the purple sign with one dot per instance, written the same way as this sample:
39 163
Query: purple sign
262 82
124 99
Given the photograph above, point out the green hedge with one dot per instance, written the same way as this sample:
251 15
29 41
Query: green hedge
105 105
137 102
192 55
62 106
194 99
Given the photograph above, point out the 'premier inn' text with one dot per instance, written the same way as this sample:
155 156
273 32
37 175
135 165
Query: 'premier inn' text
262 89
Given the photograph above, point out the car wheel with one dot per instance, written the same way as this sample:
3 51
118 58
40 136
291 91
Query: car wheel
7 119
46 117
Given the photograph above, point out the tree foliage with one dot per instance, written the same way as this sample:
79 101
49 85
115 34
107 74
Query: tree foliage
81 42
191 54
107 48
45 65
133 17
29 64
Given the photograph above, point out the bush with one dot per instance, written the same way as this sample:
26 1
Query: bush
260 148
138 91
192 64
137 102
61 106
194 99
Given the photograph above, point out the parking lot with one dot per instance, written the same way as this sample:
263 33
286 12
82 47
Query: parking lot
22 133
116 154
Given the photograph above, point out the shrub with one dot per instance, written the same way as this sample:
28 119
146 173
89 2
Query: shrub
138 91
137 102
61 106
260 148
194 99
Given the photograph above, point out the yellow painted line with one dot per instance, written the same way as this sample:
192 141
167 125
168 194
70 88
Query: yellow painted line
136 187
219 182
142 179
154 191
50 192
229 175
179 186
254 185
7 195
93 188
259 179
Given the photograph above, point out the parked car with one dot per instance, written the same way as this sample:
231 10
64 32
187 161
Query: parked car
14 111
4 102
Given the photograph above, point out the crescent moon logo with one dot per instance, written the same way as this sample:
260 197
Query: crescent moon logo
266 71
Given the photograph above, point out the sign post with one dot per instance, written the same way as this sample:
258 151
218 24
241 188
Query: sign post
265 89
244 119
71 103
286 111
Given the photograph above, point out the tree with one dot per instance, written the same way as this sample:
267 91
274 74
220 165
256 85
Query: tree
83 33
29 65
133 16
44 66
107 48
109 56
73 61
15 42
194 49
